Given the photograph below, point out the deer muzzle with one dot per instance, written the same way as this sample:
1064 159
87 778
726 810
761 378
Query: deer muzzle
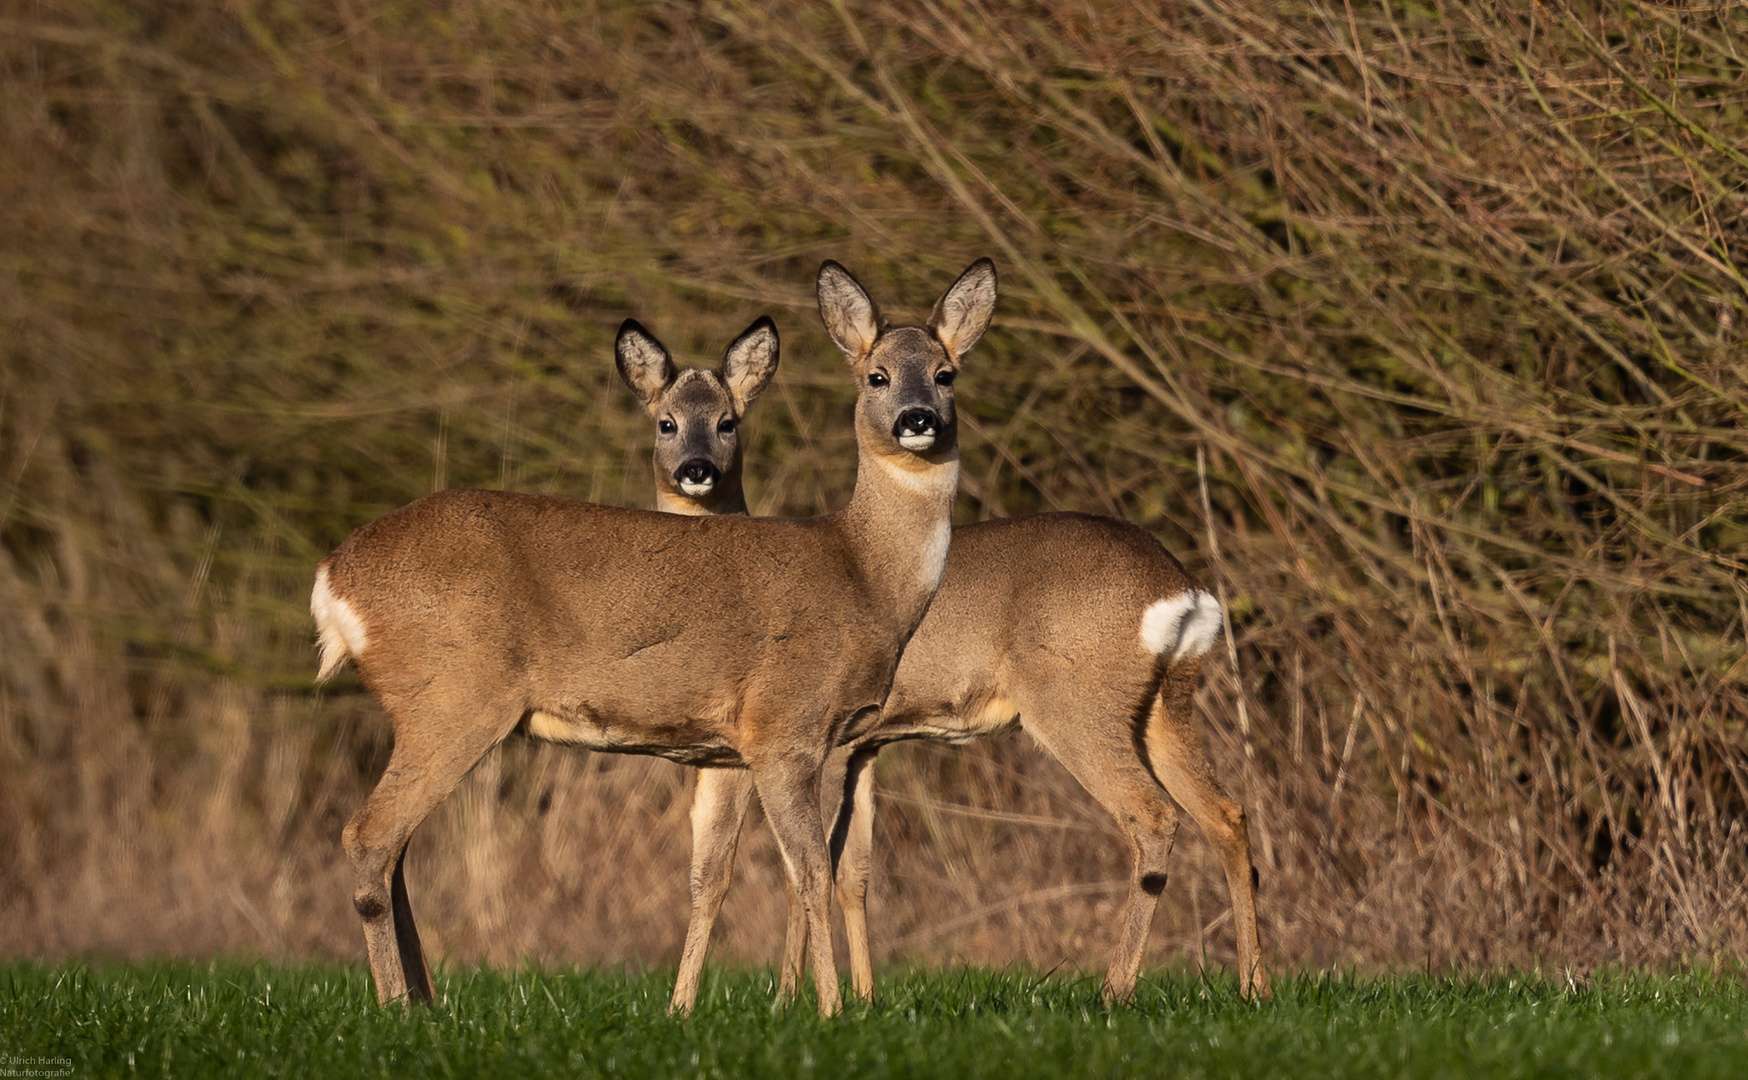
697 477
917 429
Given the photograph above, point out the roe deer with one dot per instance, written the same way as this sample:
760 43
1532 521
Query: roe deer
720 640
1083 631
697 415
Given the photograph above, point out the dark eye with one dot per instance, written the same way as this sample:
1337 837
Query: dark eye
666 427
945 378
877 379
726 427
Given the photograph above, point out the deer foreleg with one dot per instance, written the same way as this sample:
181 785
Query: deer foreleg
789 789
851 845
719 805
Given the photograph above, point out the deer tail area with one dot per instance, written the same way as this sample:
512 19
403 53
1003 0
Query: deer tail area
1181 627
339 630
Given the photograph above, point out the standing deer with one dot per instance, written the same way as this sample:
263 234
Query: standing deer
726 640
1081 630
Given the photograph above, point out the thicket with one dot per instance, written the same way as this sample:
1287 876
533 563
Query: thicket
1415 329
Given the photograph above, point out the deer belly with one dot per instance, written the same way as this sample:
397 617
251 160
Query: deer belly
964 722
685 744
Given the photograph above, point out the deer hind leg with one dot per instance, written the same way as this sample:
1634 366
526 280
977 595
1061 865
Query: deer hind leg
789 789
851 847
1101 755
719 805
421 772
794 944
412 954
1174 744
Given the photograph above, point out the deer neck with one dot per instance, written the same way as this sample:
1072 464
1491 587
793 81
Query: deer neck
899 523
727 498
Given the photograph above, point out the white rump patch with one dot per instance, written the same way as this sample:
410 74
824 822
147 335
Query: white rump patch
339 630
1187 625
935 554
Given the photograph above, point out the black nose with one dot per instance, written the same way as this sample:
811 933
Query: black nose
917 422
696 471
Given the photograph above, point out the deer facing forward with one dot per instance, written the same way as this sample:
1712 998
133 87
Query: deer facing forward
471 614
1081 630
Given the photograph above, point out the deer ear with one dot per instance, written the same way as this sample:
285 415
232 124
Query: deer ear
963 312
750 362
642 362
850 316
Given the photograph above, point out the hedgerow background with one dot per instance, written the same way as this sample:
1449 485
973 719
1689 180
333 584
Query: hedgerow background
1415 329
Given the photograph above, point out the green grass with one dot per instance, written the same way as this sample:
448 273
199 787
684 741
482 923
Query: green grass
234 1018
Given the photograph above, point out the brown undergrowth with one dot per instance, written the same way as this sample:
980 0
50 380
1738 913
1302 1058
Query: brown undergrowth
1416 330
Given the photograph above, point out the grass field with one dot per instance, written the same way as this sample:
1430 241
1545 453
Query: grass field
1414 329
249 1019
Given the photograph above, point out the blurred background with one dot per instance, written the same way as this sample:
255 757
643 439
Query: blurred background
1416 330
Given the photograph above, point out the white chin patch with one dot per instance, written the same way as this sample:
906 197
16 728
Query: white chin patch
916 442
695 490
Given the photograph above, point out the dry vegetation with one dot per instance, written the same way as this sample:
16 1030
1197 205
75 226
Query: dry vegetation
1418 330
